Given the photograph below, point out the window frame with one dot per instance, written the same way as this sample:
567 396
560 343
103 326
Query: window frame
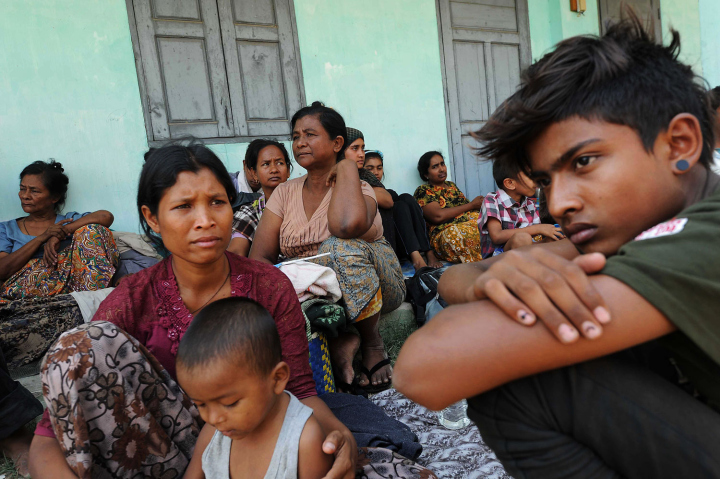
140 72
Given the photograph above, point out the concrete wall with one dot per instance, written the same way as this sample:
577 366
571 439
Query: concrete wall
552 21
379 66
710 40
69 91
684 16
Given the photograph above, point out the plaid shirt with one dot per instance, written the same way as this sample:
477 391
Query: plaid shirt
512 215
246 219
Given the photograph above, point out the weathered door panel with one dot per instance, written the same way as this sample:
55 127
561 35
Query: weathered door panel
183 64
261 64
485 46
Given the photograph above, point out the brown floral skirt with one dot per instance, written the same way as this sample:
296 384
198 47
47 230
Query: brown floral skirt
117 412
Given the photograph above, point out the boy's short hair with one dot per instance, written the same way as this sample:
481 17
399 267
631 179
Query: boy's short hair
234 329
623 77
505 169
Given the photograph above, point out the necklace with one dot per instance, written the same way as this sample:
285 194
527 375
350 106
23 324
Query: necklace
211 297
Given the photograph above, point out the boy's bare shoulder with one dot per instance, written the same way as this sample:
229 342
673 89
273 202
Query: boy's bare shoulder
194 469
313 463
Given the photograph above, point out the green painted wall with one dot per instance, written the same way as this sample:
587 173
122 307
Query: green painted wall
379 66
684 16
710 40
552 21
69 91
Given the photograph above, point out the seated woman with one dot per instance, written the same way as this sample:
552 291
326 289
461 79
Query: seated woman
408 217
452 219
268 163
126 356
331 210
47 253
356 151
44 256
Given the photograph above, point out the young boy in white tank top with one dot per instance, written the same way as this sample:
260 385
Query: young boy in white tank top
229 363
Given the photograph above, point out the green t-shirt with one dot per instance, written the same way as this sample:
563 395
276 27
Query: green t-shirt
676 267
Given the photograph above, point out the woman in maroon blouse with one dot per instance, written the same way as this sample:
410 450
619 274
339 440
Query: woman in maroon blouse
114 406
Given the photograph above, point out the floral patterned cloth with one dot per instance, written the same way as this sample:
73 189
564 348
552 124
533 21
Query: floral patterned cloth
457 240
114 409
362 270
459 243
87 264
29 326
118 413
453 454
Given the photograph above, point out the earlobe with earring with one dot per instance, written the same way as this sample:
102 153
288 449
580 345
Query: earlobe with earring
682 165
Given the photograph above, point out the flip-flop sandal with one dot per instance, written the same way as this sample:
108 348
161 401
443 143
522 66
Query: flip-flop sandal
375 388
353 388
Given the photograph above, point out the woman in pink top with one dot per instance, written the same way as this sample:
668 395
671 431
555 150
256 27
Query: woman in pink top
114 406
330 210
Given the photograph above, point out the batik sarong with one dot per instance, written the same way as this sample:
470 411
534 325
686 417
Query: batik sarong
369 274
460 242
87 264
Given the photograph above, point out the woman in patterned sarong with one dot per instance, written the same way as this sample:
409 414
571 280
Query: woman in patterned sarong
43 257
452 219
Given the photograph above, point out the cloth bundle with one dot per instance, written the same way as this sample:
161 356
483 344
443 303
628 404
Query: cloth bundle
311 280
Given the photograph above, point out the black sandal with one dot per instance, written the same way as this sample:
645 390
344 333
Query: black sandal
375 388
353 388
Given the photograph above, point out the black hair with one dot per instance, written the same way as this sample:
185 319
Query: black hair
504 169
161 169
623 77
424 163
256 146
53 178
369 155
330 119
714 96
234 329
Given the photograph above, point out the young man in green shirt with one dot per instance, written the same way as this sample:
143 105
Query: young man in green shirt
619 136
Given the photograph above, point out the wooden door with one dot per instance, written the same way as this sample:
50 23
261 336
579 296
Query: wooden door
485 45
262 65
184 68
647 10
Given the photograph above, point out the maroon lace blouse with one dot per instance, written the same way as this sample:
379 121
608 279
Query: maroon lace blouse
148 306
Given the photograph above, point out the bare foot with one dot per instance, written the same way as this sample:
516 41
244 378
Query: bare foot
342 351
433 261
417 260
17 448
371 355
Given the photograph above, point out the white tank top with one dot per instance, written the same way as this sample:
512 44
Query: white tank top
284 462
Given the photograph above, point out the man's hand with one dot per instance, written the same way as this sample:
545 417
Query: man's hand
344 448
51 248
534 283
